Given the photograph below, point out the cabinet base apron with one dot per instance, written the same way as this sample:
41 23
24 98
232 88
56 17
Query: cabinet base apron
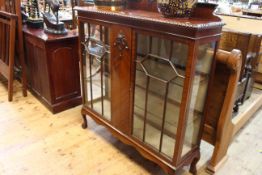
167 167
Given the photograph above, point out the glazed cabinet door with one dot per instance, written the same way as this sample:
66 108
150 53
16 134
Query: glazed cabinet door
161 91
106 52
159 76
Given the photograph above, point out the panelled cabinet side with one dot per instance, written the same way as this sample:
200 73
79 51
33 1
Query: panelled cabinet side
53 68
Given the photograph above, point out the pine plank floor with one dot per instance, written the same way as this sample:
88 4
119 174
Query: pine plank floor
35 142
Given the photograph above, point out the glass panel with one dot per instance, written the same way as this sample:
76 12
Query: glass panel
198 96
139 98
155 107
97 69
159 81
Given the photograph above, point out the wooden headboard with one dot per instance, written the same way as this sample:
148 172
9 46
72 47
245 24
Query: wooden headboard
218 128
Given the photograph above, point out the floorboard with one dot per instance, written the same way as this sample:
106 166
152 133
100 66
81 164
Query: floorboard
34 141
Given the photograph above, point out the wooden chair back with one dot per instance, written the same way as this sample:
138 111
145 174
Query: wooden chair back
7 48
14 7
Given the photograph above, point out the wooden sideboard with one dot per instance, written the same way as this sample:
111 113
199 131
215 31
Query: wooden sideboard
52 64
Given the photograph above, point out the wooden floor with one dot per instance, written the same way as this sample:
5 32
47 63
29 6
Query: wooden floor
35 142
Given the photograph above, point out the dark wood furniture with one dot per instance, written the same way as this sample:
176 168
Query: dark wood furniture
248 45
74 17
254 9
7 48
218 128
255 48
258 63
146 77
53 68
250 12
14 7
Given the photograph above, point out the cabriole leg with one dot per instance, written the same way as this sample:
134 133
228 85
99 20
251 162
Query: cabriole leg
84 124
193 168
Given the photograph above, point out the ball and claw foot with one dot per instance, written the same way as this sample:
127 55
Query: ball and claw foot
84 124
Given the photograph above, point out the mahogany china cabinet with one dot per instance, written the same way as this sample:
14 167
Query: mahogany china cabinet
146 78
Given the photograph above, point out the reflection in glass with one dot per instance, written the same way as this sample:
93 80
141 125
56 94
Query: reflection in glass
159 81
97 69
198 96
